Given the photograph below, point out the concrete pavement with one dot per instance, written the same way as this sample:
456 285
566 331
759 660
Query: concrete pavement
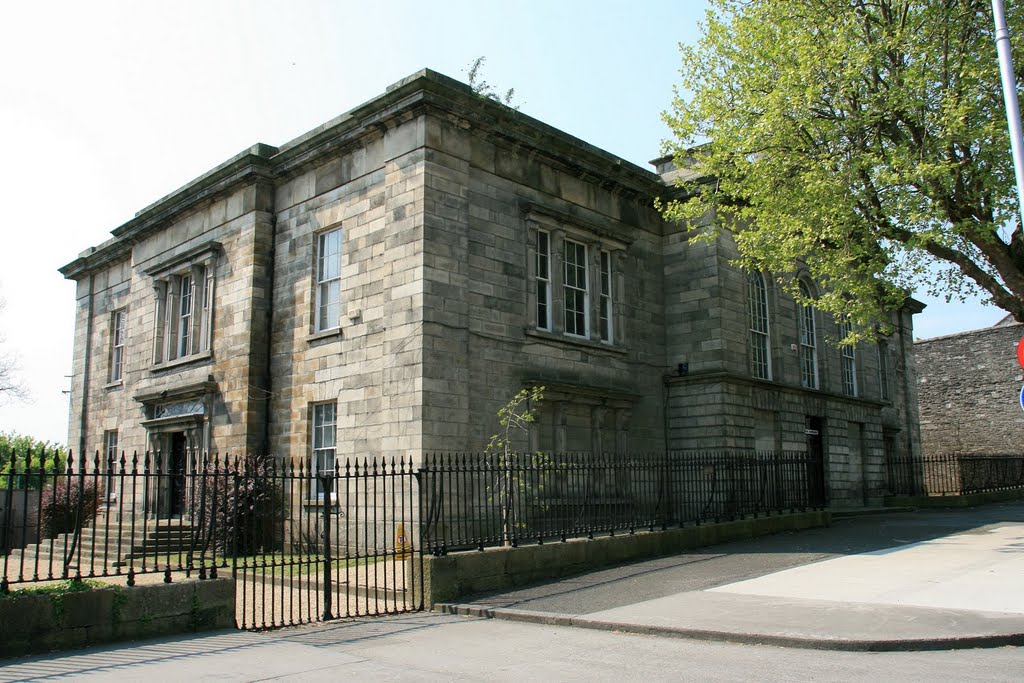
904 581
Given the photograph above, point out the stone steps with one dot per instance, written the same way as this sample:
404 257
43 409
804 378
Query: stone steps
99 546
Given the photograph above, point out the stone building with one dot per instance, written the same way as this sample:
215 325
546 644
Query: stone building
384 283
969 389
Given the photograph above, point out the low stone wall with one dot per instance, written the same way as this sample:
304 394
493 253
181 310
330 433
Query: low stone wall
449 577
32 622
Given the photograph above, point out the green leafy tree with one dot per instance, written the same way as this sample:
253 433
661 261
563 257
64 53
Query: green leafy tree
866 139
25 454
515 418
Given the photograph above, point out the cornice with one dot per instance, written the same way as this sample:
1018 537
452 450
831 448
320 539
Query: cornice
424 92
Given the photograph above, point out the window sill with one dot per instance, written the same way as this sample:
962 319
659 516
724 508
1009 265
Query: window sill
576 341
114 385
196 358
333 334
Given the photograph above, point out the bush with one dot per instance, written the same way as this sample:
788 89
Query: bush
15 448
68 505
238 509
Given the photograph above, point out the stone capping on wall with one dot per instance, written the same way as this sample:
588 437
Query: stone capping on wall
33 622
450 577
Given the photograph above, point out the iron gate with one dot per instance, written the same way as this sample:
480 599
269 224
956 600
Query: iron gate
325 545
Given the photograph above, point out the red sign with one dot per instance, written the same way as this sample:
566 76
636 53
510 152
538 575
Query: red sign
1020 352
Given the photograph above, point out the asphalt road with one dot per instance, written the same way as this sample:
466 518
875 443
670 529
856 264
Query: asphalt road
435 647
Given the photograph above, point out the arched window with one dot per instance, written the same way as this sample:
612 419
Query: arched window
849 359
808 340
760 358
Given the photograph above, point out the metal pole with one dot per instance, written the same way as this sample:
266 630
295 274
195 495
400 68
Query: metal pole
326 480
1010 97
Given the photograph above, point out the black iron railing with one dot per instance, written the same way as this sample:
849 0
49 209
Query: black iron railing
302 545
481 500
955 474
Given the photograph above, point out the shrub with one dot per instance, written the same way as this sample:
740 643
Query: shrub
238 508
69 504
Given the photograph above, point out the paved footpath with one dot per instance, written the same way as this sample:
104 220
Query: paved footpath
898 581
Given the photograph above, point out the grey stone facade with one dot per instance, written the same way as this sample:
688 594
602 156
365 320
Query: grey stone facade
969 390
455 214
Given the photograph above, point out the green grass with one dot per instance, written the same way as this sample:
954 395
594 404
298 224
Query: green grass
57 588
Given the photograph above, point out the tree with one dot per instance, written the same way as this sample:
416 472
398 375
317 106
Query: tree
32 461
518 415
866 139
11 387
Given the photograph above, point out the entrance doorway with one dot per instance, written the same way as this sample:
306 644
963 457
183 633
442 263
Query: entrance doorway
816 491
177 472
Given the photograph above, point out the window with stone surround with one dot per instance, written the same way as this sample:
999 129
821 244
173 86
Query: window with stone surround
808 339
183 290
760 342
118 325
328 280
325 430
575 279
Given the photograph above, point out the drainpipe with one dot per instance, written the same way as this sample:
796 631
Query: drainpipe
84 412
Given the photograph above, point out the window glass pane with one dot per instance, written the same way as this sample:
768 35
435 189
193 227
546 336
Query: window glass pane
808 342
329 280
185 317
849 362
605 322
324 438
575 284
760 360
543 281
117 346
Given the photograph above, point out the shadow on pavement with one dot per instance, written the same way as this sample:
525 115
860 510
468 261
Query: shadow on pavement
704 568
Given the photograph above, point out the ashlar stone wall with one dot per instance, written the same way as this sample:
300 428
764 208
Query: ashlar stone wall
372 365
234 233
713 400
485 201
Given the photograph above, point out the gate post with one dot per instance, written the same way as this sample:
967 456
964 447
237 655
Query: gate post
325 482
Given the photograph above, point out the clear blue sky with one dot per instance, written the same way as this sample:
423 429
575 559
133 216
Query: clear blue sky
107 106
